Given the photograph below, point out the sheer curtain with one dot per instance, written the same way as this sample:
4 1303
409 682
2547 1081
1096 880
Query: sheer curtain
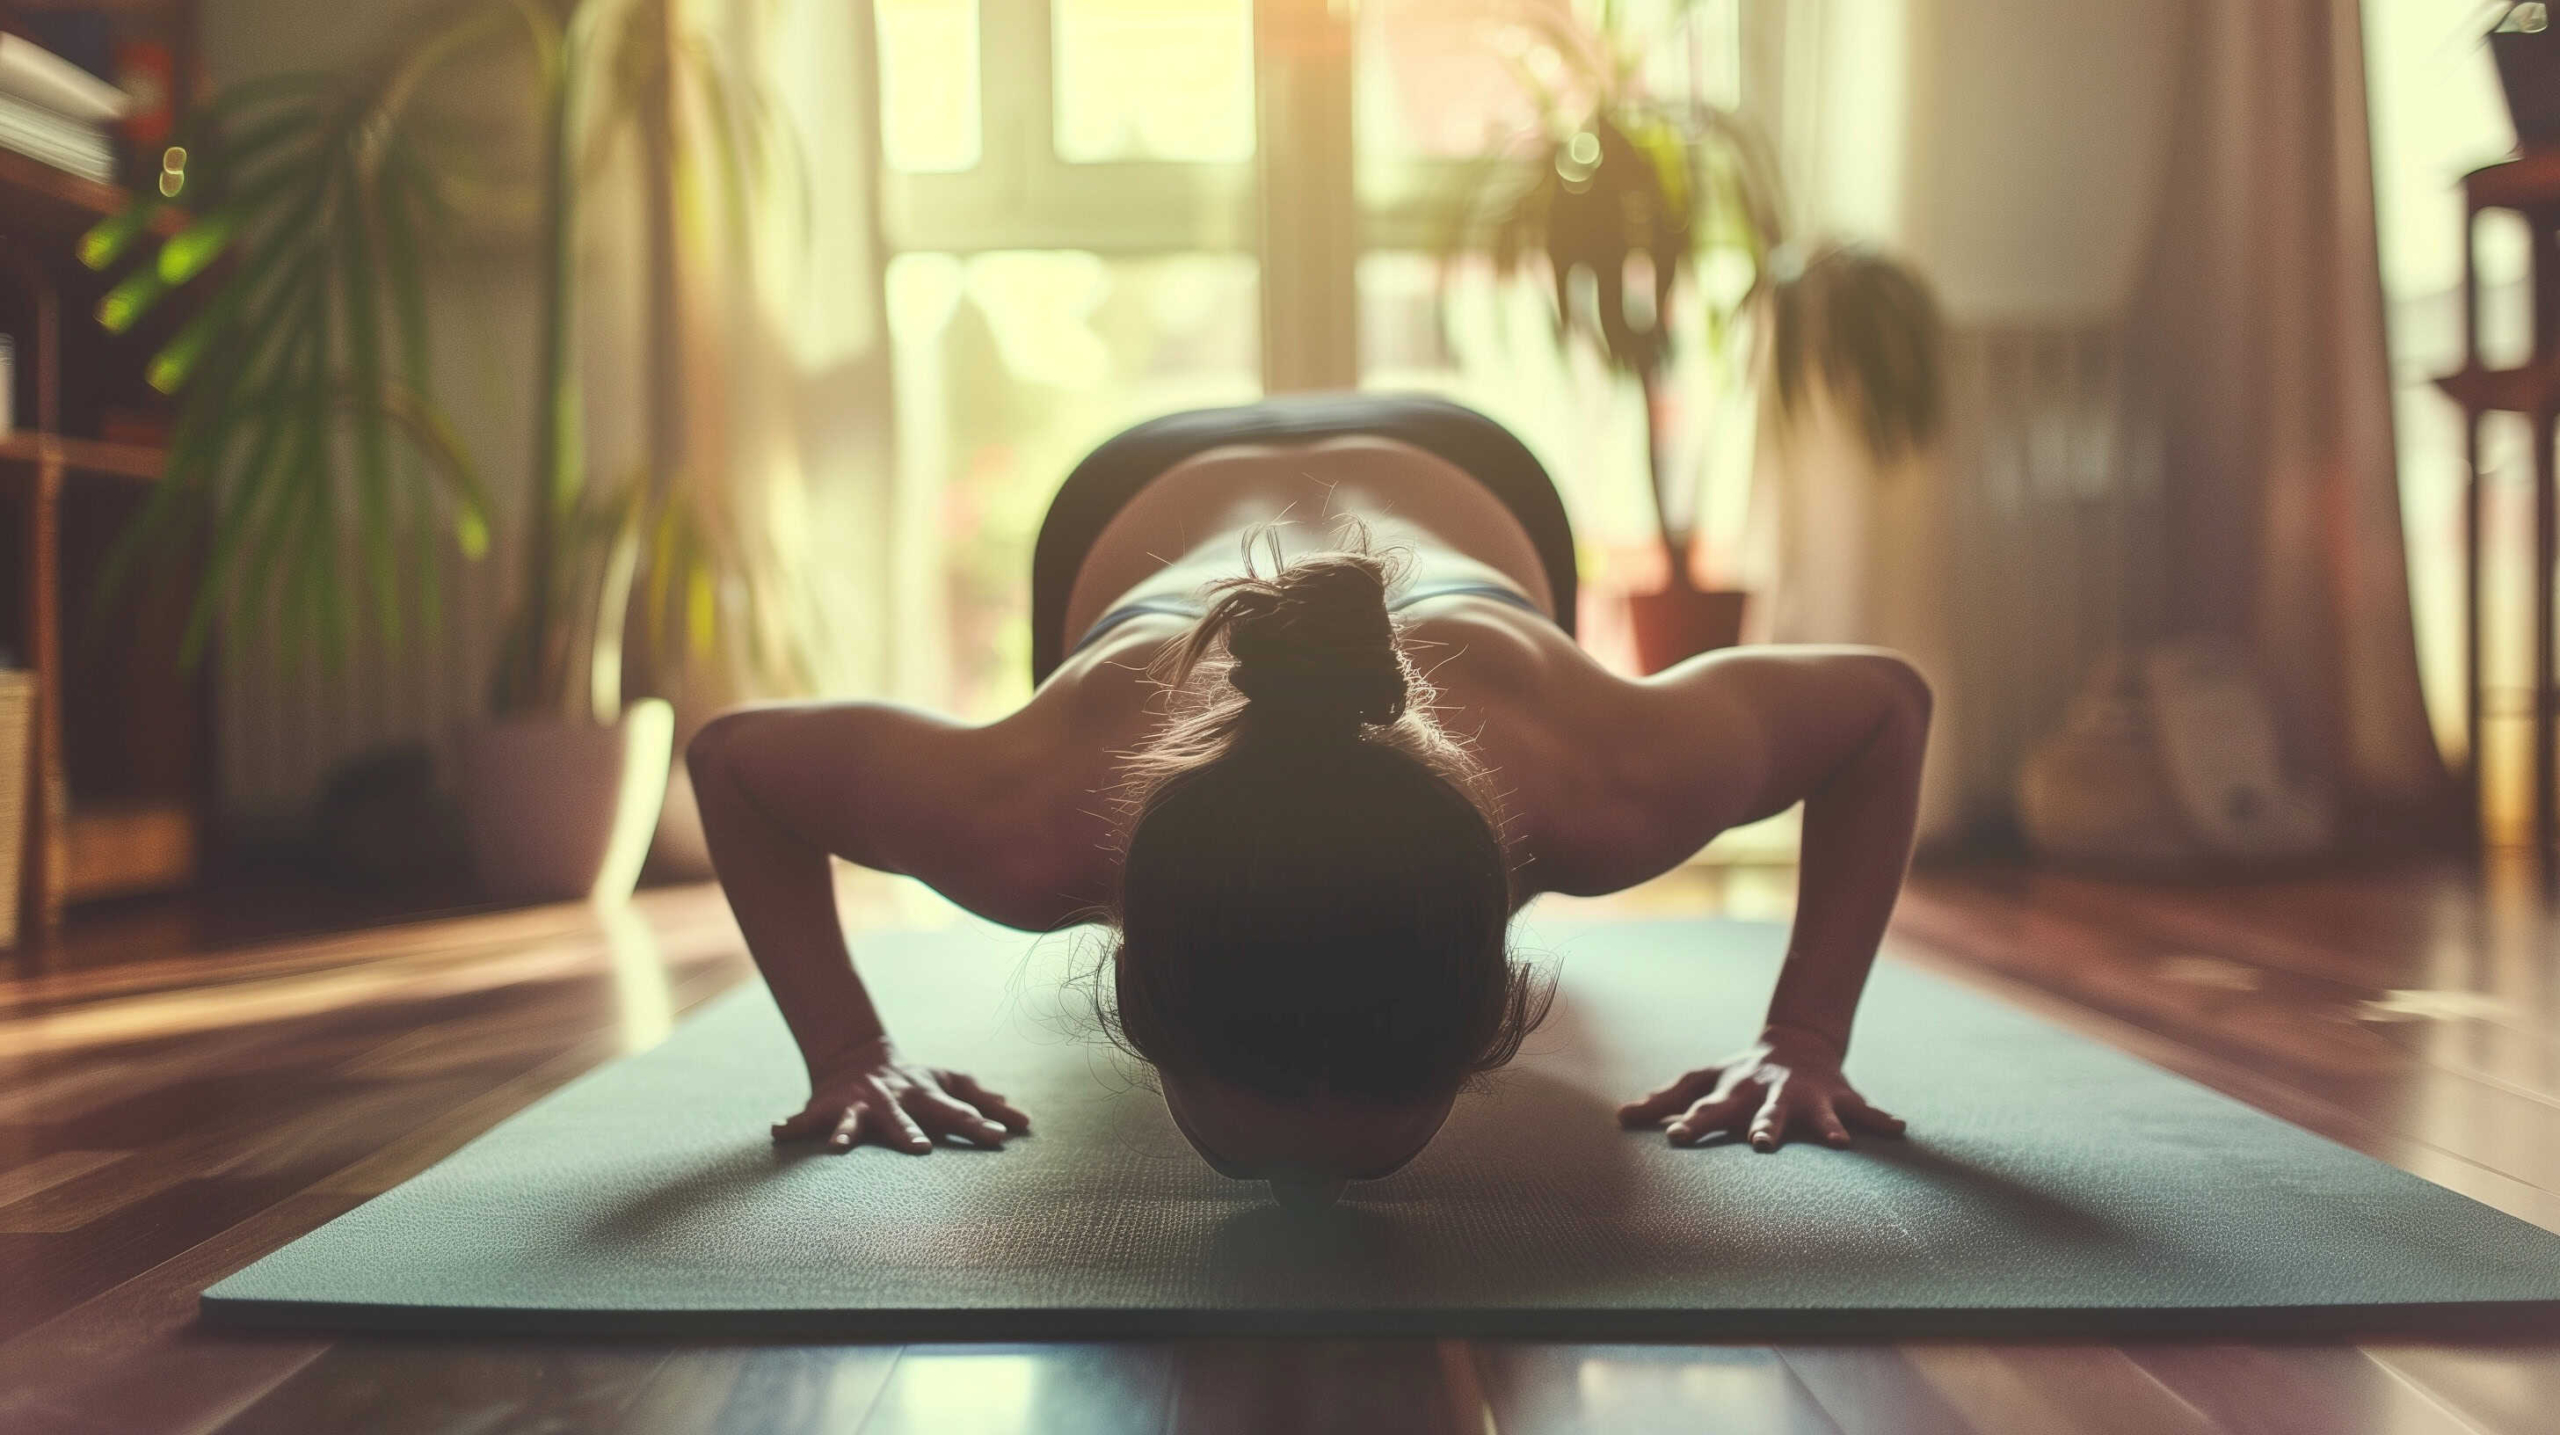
2011 151
2152 231
2261 333
780 374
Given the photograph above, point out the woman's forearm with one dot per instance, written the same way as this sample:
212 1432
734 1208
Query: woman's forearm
782 889
1857 844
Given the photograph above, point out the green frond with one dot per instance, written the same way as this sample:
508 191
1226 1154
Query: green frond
124 305
193 249
108 239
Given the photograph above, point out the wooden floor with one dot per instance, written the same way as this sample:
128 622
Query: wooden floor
166 1119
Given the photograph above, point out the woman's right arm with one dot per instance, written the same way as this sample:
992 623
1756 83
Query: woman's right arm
784 788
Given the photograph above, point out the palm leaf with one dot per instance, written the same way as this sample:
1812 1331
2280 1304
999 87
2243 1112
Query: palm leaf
132 297
231 529
108 239
402 180
294 433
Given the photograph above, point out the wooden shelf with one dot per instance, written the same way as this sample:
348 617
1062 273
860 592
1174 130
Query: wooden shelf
124 792
33 177
2528 184
61 205
2530 181
2527 390
88 455
118 848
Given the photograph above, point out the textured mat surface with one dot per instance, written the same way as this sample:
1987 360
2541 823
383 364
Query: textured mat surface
2048 1184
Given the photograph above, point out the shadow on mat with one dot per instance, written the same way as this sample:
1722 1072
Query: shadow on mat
1538 1152
1993 1197
729 1184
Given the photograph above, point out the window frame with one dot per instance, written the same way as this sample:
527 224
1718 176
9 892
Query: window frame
1021 195
1325 213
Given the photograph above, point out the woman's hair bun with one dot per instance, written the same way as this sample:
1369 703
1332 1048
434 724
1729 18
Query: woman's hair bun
1314 648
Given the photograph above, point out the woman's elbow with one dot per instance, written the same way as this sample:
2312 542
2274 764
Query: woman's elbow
711 758
1903 691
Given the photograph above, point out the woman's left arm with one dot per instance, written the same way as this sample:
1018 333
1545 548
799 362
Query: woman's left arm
1841 730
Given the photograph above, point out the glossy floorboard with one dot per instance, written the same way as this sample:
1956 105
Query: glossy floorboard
166 1118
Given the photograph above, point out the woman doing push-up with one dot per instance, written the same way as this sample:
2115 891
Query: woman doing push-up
1310 727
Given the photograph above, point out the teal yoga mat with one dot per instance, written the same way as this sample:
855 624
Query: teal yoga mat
2049 1185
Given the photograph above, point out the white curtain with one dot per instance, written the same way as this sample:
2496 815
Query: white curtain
783 370
784 364
2152 229
2011 150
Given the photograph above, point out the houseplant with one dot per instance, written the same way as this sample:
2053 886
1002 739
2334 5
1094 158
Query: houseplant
1623 196
320 192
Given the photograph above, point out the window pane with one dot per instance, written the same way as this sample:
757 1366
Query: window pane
1688 48
1010 368
929 84
1154 80
1432 81
1438 82
1451 79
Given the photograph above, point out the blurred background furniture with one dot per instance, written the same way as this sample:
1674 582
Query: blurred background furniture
117 782
2530 186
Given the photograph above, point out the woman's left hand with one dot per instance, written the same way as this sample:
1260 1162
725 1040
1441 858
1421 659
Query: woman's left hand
1788 1080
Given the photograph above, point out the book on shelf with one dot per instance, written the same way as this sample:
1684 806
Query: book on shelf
36 75
54 111
39 134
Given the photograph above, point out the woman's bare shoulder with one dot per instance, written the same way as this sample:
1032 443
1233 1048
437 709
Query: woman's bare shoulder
1040 839
1547 720
1610 780
1012 819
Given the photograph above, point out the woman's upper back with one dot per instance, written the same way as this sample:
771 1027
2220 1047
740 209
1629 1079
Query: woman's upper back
1571 778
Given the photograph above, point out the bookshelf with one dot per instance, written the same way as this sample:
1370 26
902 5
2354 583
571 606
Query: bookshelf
119 760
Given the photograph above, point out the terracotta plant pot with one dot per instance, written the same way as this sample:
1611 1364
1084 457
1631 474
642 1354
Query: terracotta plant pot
679 852
557 811
1682 621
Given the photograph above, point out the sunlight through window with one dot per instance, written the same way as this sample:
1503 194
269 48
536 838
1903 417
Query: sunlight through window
929 84
1010 367
1154 80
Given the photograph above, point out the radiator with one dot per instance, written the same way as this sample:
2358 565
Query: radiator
2054 524
283 723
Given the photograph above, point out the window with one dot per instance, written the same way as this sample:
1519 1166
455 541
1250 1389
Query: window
1141 80
1070 210
1074 204
1440 85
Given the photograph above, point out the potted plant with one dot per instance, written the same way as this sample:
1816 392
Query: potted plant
1619 195
305 408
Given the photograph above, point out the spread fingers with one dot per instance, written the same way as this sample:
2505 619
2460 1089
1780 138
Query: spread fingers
1856 1110
1769 1128
945 1117
816 1121
903 1131
1827 1122
1662 1101
991 1103
1713 1113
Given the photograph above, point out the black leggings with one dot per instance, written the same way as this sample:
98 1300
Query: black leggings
1111 475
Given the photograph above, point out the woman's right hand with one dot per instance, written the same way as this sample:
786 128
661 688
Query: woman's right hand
869 1094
